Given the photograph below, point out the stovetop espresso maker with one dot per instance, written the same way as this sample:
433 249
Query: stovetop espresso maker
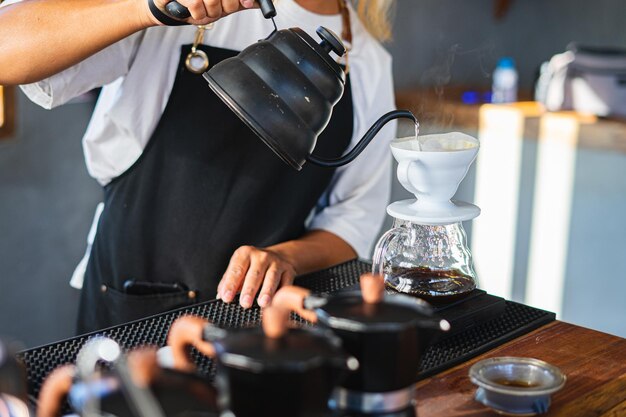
284 88
386 333
274 371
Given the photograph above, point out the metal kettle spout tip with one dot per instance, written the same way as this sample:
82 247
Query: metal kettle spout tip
365 140
435 324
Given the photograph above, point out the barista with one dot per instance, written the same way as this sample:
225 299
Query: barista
194 203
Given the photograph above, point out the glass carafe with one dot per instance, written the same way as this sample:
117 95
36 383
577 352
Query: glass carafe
428 261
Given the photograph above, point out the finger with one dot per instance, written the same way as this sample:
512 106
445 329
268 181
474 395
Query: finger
231 6
270 285
213 8
287 278
247 3
235 273
254 278
196 8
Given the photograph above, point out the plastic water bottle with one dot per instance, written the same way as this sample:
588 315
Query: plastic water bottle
504 89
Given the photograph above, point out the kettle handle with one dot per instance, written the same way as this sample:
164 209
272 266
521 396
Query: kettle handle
365 140
177 10
301 301
189 331
54 390
293 298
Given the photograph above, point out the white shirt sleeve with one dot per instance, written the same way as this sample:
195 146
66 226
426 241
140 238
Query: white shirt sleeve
360 191
99 69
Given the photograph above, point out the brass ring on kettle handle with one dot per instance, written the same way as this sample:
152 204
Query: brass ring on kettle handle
198 53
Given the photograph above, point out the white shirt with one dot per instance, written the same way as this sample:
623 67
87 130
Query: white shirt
138 74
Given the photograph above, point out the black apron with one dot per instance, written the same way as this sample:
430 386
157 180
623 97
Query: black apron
204 186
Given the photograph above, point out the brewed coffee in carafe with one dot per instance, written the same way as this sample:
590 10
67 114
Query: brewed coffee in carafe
426 254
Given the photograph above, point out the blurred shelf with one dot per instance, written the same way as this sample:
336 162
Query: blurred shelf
441 109
444 107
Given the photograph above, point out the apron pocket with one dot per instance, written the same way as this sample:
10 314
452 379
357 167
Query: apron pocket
122 308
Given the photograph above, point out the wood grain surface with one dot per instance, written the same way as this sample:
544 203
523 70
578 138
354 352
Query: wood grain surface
594 363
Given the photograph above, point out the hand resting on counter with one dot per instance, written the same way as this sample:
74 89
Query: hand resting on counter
262 271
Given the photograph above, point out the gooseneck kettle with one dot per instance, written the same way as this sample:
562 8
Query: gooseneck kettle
284 88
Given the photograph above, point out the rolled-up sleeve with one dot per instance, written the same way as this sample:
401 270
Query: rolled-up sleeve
99 69
357 198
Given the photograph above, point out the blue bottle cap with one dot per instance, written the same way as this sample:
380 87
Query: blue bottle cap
506 62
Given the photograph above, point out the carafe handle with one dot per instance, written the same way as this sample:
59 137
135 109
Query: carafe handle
381 249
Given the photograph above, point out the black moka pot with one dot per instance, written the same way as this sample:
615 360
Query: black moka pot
284 88
273 371
387 334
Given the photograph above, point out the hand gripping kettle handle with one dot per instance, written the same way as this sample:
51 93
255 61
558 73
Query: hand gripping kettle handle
179 11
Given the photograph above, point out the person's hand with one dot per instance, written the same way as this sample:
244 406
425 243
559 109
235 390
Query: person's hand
251 269
207 11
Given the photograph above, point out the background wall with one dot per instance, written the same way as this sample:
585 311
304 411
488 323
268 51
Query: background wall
47 200
440 42
46 206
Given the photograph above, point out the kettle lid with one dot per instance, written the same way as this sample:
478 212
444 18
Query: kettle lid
395 313
330 43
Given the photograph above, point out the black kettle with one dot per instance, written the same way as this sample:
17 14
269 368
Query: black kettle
284 88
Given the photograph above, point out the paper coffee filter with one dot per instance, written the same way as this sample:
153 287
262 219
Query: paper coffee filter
440 142
453 141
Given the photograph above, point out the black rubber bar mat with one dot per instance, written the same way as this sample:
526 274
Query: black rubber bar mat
517 319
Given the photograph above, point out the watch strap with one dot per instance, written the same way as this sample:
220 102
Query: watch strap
163 17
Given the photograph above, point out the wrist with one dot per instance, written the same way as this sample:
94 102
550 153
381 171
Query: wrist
145 16
282 251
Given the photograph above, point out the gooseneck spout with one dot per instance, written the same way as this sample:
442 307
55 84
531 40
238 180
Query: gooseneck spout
365 140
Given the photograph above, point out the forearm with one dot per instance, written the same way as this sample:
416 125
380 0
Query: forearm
39 38
315 250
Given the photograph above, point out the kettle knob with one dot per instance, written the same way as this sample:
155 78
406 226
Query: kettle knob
330 41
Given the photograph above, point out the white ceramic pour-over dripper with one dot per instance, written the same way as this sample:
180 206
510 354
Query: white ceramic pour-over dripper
432 170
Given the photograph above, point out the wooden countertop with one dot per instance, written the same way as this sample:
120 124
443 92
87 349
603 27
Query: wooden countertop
594 363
